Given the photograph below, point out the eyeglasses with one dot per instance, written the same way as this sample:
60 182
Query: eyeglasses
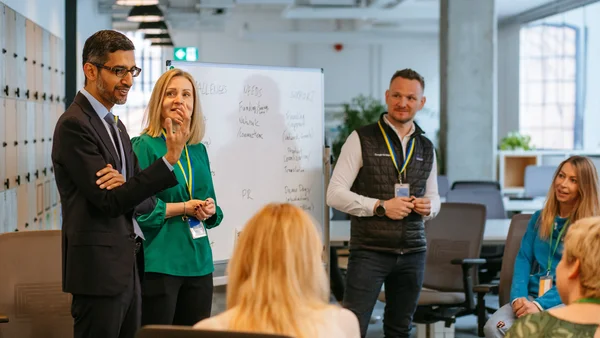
120 71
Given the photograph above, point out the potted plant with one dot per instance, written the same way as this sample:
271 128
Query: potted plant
516 141
361 110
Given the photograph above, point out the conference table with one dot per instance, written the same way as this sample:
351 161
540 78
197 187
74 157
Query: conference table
524 206
496 231
528 206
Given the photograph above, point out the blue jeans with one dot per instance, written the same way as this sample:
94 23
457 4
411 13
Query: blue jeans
403 278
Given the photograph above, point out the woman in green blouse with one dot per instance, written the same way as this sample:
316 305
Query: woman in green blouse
178 285
578 283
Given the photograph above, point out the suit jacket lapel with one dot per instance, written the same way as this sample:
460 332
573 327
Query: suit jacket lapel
98 125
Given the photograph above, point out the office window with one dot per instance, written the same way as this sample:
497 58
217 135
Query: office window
150 60
549 84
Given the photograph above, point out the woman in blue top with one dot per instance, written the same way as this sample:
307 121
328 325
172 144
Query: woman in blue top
572 196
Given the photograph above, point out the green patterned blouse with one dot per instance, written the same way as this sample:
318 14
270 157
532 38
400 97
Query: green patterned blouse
544 324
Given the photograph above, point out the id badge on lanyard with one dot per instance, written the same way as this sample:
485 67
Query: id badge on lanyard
545 285
402 190
546 281
197 228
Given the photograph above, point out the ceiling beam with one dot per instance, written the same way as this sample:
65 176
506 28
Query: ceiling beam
401 12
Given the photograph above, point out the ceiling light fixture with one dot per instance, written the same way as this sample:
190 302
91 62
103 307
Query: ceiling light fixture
163 44
145 14
136 2
153 27
158 37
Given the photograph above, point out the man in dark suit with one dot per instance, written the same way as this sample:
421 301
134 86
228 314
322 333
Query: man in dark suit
100 239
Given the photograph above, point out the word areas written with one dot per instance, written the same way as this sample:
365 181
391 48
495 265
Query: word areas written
247 194
291 135
295 154
249 119
249 133
251 90
299 195
257 107
211 88
295 120
302 95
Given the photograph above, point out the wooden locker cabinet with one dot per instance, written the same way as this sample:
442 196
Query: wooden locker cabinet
21 64
31 101
10 151
10 58
3 146
30 58
23 143
3 50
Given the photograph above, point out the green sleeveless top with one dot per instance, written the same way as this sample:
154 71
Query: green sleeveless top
544 324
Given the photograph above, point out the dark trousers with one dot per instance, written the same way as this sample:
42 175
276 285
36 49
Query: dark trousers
336 278
108 317
403 278
174 300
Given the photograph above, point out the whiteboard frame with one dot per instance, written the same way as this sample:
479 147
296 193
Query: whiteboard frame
219 275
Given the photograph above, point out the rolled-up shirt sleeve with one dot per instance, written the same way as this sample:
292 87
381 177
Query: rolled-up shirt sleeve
431 191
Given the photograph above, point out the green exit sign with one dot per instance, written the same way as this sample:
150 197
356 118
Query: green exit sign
185 53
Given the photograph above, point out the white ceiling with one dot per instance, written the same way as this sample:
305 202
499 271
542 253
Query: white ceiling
374 16
507 8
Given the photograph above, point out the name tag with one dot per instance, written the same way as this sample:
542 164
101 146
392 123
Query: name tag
197 228
545 285
402 190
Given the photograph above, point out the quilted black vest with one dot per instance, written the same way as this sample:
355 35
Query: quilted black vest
376 179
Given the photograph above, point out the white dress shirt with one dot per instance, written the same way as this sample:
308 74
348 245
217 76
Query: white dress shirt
347 167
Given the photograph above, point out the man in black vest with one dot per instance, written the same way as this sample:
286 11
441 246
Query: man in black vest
386 179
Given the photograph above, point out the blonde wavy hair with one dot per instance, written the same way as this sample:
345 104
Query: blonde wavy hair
153 115
582 243
588 203
276 277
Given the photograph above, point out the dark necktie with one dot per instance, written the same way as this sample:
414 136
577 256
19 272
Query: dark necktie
110 118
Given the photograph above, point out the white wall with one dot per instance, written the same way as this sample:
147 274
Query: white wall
48 14
422 55
226 47
89 21
359 68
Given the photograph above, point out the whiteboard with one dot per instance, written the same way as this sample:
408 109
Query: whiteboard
265 141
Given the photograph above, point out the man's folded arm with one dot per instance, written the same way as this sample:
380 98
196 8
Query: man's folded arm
78 153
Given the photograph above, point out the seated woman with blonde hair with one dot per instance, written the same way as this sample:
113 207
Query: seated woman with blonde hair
572 196
277 283
578 283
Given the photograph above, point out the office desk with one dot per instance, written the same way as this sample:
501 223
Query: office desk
496 231
524 206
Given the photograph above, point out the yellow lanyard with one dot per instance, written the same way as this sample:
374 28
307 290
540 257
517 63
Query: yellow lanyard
390 147
188 183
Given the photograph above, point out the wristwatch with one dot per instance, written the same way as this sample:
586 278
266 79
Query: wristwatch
380 210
